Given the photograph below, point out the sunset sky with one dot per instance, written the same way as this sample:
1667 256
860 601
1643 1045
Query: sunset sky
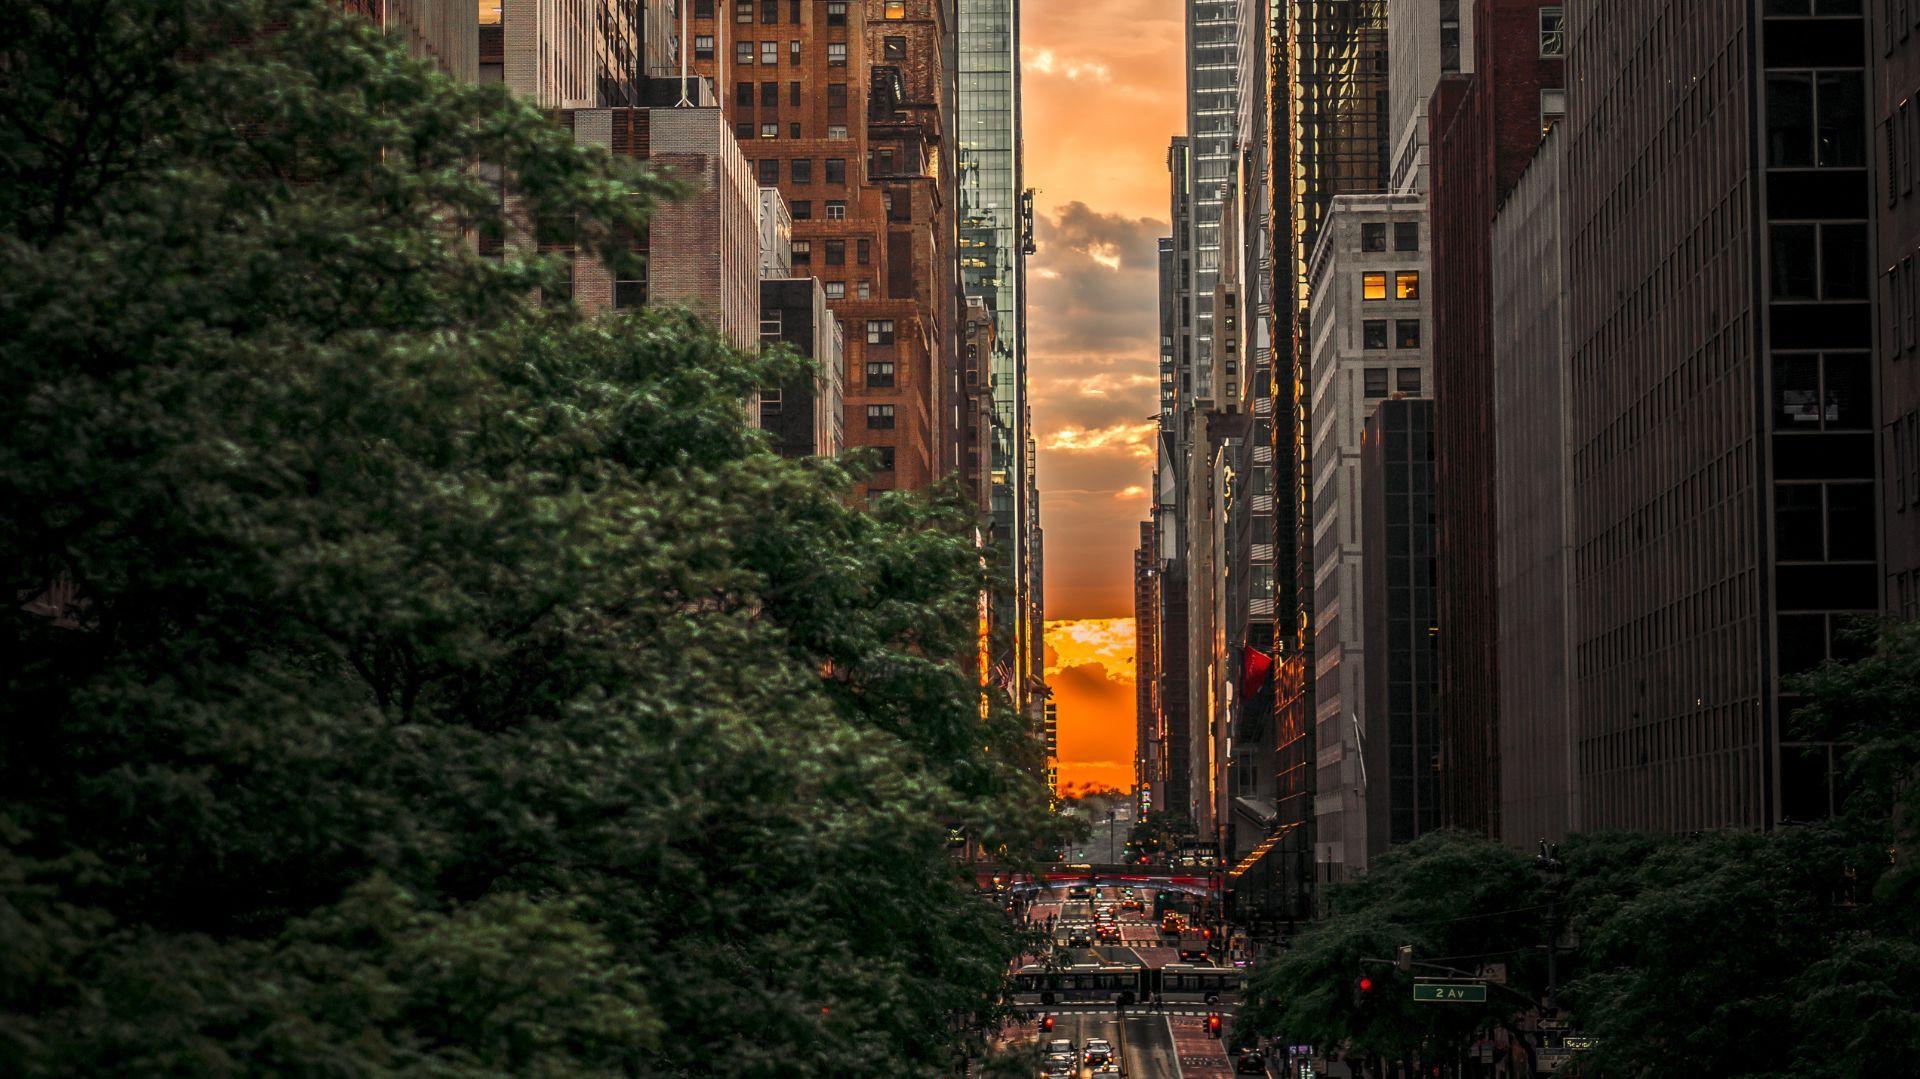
1103 95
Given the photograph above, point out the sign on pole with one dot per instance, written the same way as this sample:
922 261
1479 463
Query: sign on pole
1451 992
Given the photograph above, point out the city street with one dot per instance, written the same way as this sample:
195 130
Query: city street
1166 1042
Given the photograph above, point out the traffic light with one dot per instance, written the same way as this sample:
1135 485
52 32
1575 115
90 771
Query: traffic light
1213 1024
1363 990
1403 959
1365 984
1046 1024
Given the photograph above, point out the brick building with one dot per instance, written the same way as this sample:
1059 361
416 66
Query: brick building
1484 128
806 417
841 105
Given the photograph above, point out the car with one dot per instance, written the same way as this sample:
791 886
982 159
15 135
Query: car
1101 1044
1079 939
1098 1057
1060 1045
1250 1063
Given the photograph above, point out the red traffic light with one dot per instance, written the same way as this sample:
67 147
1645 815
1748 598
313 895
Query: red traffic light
1046 1024
1366 984
1213 1026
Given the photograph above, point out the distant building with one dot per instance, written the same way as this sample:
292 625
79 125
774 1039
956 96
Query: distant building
1146 620
1401 781
806 416
1426 40
776 235
442 32
973 396
1532 505
1370 323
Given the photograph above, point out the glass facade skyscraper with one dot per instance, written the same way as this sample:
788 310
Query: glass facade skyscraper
1213 69
995 237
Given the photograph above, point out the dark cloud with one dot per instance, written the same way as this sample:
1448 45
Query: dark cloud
1094 284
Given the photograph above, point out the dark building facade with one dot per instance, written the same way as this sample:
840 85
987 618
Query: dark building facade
805 417
1326 107
1895 26
1402 677
1484 127
1146 619
1723 423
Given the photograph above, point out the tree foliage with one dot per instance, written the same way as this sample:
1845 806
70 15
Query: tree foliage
1731 953
451 684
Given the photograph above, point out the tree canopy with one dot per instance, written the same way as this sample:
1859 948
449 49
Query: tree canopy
415 678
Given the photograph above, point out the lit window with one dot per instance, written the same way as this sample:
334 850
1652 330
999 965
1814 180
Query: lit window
1406 285
1373 286
1553 31
896 9
769 131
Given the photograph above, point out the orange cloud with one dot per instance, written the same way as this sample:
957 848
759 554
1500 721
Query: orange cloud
1090 669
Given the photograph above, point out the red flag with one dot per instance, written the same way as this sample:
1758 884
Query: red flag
1256 669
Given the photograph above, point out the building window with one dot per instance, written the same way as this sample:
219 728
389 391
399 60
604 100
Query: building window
880 417
895 9
1450 42
1407 380
893 49
836 131
743 52
793 53
802 251
1373 333
836 95
863 251
1373 286
769 95
742 11
631 292
1553 31
802 209
743 95
743 130
1819 262
793 130
837 170
836 12
864 290
836 290
770 12
770 52
770 323
769 403
1373 236
767 171
879 374
836 210
836 252
883 458
1816 120
1376 381
1553 109
793 93
1406 285
770 131
879 331
703 9
703 46
1831 392
1406 235
801 169
793 12
1406 333
836 54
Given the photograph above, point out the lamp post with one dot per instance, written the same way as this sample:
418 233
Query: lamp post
1548 863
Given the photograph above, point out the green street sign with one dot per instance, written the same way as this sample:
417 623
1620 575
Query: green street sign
1451 992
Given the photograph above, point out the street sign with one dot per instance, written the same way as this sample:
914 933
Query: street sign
1451 992
1577 1042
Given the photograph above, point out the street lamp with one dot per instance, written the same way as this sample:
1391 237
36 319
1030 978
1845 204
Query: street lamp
1548 863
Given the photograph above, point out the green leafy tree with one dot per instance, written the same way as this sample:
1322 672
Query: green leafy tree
439 682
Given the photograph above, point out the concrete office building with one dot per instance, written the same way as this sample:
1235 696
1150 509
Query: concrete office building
1369 319
1895 106
1426 39
1402 723
1719 209
1531 502
1484 129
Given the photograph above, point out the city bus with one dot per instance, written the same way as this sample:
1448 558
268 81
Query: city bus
1176 983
